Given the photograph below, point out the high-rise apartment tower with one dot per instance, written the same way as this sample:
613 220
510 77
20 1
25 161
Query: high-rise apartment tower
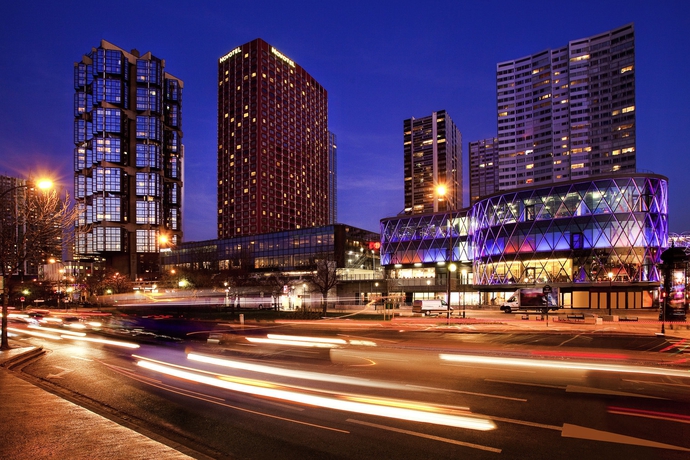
127 158
433 158
483 168
273 144
568 112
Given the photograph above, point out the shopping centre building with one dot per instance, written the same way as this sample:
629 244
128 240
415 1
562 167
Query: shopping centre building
598 240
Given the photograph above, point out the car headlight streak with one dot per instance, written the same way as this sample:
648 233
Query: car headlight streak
371 406
563 365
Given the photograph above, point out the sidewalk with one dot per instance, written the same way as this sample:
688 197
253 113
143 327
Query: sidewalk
555 323
36 424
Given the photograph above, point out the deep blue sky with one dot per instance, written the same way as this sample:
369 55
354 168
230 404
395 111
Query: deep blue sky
381 62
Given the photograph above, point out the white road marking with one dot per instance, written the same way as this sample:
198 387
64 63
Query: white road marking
468 393
601 391
83 359
60 374
581 432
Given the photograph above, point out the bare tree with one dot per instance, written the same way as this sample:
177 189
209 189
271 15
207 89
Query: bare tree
277 283
325 278
114 282
31 227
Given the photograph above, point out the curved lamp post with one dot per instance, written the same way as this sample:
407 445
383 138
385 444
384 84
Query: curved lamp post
441 192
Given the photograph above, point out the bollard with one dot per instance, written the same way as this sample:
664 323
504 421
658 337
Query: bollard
242 319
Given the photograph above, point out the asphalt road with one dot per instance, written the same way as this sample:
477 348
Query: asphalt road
383 393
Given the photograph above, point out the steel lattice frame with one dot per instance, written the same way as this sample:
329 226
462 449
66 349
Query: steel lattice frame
577 232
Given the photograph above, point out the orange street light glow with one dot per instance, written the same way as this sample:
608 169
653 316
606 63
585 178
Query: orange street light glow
44 184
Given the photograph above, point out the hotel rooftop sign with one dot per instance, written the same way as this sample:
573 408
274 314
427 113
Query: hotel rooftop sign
282 56
229 55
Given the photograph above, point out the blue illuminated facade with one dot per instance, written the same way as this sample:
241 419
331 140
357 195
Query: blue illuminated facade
587 237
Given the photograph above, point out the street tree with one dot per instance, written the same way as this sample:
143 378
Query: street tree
325 278
32 226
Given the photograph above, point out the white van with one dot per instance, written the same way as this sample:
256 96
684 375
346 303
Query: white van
428 307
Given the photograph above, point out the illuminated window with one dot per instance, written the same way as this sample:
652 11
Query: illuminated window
577 166
626 69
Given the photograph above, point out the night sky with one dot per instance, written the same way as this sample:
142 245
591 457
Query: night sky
380 61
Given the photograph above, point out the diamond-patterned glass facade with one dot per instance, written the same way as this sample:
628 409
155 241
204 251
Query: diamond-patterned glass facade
577 232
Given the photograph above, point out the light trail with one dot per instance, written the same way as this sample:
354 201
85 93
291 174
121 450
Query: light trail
259 368
34 333
369 406
540 363
58 331
103 341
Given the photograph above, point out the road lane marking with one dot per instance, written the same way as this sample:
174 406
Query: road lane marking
601 391
523 422
650 382
570 339
60 374
468 393
426 436
528 384
581 432
83 359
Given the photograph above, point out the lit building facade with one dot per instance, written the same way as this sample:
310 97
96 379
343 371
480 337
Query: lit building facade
568 113
432 157
127 158
595 239
332 178
483 168
273 144
290 250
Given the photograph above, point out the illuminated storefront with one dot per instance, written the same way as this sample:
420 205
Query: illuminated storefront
595 239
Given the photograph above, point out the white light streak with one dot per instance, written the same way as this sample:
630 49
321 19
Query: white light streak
541 363
34 333
384 409
290 372
103 341
58 331
293 343
298 338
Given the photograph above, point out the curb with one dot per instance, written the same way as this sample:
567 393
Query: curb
20 358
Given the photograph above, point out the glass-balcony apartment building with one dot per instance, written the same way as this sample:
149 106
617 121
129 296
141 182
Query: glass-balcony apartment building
128 158
568 113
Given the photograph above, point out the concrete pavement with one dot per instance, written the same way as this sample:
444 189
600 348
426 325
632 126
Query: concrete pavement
36 424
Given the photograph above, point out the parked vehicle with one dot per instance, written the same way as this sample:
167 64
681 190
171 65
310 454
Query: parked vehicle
532 299
431 306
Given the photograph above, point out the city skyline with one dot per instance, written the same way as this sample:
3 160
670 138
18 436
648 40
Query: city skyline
365 62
